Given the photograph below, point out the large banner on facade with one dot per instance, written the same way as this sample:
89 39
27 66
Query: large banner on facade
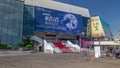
95 27
48 20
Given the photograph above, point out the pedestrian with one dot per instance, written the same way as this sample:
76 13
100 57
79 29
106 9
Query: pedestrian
117 51
114 53
109 52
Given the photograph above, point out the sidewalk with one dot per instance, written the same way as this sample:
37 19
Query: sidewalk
14 53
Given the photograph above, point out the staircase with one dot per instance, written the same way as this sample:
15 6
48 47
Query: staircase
62 47
74 47
37 39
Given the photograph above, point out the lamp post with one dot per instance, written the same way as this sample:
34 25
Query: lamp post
99 40
80 40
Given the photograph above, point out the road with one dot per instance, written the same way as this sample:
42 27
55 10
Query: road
41 60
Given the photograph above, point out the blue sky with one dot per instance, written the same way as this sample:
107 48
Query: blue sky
109 10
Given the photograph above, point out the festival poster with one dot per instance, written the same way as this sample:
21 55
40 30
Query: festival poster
96 27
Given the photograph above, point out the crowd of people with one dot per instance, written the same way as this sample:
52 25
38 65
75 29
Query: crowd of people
113 52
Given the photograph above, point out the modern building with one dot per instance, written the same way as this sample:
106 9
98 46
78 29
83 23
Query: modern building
53 26
17 18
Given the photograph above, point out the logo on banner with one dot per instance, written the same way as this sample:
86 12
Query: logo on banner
96 25
70 21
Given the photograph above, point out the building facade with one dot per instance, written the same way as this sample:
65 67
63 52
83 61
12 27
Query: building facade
17 17
22 18
11 21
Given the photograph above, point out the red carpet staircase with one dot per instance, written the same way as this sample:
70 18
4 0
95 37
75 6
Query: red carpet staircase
62 47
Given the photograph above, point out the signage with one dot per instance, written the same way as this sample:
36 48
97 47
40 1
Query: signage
96 27
49 20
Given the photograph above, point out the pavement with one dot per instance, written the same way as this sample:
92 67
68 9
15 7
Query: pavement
67 60
14 53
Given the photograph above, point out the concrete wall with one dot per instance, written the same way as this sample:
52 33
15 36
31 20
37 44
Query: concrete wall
59 6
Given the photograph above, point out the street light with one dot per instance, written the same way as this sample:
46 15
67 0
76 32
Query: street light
80 40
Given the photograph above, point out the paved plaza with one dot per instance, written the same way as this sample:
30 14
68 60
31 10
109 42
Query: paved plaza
42 60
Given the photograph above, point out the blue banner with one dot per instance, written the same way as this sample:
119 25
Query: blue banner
49 20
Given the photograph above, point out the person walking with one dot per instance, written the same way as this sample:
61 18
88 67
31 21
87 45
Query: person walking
117 51
114 53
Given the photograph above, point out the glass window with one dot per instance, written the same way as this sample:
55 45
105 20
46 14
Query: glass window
11 21
28 23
